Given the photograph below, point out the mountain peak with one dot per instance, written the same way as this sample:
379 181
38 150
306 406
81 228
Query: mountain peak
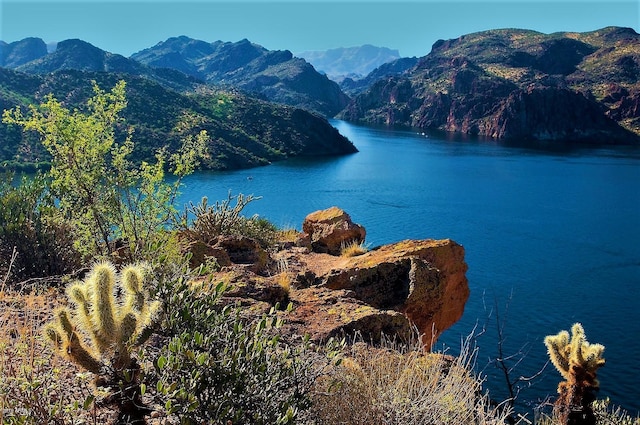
79 55
20 52
350 61
273 74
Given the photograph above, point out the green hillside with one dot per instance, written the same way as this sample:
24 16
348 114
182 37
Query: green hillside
245 132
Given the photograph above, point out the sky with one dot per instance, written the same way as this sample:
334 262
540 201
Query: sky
411 27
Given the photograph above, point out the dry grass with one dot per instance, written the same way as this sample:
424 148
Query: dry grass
353 249
403 385
283 276
288 234
37 387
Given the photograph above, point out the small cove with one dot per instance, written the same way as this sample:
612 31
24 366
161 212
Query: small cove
551 235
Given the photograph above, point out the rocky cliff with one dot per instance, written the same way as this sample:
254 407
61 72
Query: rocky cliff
387 290
517 84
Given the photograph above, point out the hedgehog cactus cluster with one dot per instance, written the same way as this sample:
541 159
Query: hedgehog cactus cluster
577 361
100 333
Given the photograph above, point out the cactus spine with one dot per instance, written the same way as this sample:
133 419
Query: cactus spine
577 361
101 331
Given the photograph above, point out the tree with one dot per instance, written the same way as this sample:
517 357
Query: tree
106 196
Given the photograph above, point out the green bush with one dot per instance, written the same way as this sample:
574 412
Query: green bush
223 218
218 367
34 240
97 187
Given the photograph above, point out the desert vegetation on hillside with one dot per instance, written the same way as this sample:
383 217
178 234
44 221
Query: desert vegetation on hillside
138 333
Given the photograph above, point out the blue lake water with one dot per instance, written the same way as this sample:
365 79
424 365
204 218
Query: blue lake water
552 236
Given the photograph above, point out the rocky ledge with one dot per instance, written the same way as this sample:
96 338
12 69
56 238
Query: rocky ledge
388 289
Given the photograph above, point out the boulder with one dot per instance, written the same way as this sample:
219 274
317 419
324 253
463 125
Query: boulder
331 229
201 252
391 290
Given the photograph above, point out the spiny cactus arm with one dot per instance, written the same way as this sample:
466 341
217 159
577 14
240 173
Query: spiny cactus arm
578 344
146 322
127 330
81 356
557 349
128 326
132 281
101 282
69 344
78 293
54 334
593 357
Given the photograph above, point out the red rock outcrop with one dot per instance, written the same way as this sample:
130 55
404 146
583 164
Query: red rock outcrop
331 229
388 290
425 280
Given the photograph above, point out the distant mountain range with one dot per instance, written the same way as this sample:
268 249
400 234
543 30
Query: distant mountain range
245 131
519 85
274 75
504 84
394 68
352 62
271 75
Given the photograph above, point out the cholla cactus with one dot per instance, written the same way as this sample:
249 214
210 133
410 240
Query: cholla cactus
101 332
577 361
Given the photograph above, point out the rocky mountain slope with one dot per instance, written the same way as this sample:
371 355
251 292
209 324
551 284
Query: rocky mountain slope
353 62
394 68
517 84
274 75
22 51
245 132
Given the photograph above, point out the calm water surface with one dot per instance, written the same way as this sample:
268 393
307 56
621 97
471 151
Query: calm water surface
551 236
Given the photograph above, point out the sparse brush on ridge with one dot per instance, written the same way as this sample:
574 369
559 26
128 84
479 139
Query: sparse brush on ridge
577 361
404 384
223 218
100 333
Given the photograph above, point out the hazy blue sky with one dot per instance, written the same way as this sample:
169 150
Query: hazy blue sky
410 26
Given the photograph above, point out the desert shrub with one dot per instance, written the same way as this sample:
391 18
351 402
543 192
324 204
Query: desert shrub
218 367
225 218
403 384
605 414
284 277
30 226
